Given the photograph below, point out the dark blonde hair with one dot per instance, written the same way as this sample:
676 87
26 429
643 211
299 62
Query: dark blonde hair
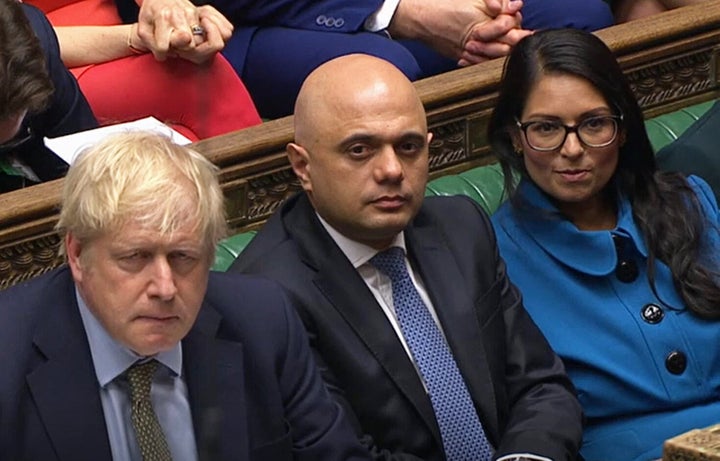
144 178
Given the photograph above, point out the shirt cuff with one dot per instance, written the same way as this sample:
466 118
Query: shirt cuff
523 456
380 19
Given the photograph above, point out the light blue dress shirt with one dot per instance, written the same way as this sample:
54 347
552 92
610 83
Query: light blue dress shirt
168 394
616 338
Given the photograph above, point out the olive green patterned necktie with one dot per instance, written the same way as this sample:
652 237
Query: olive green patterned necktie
148 431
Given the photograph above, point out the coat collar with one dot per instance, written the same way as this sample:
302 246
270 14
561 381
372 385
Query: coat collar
566 243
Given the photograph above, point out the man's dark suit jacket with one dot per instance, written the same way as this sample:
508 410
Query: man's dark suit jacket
525 401
254 391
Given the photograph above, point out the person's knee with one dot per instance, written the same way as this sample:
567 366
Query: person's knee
298 53
585 15
393 52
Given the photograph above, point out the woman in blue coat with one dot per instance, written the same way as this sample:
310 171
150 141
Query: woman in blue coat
617 262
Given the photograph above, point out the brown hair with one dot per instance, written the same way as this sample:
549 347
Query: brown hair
24 80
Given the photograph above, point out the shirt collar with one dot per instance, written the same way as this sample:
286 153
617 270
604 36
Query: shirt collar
111 358
566 243
358 253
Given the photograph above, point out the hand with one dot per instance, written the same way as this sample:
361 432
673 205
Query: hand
446 25
492 39
165 28
205 46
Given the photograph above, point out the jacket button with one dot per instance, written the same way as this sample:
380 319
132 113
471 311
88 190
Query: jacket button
626 271
652 313
676 362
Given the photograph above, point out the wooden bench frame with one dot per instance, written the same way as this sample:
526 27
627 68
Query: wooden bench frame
671 60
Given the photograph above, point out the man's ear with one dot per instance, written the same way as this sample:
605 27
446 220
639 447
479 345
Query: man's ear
300 162
73 250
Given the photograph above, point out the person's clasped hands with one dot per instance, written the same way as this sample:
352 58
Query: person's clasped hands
177 28
470 31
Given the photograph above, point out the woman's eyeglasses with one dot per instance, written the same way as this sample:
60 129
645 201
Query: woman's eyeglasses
549 135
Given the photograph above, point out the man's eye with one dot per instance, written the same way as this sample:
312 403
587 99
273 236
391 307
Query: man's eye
182 256
182 262
359 151
409 148
133 261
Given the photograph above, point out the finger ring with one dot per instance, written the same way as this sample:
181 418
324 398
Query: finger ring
197 29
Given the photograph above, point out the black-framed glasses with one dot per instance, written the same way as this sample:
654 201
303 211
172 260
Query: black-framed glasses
549 135
23 136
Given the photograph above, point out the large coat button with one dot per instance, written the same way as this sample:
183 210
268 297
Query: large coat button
676 362
652 313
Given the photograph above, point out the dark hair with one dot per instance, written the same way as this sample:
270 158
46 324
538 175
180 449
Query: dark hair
24 80
665 208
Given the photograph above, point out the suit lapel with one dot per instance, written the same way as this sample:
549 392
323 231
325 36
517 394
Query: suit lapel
64 387
346 292
214 375
455 308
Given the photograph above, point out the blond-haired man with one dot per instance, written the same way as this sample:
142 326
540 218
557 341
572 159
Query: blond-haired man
225 360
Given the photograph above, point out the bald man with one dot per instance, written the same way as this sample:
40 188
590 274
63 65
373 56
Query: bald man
418 331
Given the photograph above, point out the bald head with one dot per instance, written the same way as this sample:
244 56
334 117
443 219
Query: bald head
361 147
348 87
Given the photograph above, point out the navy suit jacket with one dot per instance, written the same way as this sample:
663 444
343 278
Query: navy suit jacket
521 392
249 15
68 111
254 391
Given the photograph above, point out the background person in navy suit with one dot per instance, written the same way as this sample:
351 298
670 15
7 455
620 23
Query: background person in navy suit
276 44
361 155
236 379
38 98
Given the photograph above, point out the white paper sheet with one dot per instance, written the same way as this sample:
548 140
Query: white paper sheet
69 146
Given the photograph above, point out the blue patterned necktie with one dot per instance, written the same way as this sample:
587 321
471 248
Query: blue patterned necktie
462 433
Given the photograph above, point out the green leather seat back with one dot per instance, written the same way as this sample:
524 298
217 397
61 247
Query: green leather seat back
666 128
229 248
483 184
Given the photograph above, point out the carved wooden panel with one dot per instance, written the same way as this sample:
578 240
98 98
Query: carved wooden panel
27 259
674 79
261 195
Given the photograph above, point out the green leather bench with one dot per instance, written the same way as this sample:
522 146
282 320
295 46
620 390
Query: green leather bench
485 184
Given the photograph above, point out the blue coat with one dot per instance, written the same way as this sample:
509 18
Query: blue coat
644 372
